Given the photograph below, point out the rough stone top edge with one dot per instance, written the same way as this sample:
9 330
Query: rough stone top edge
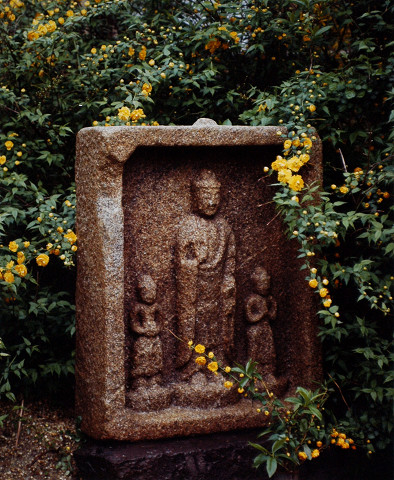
152 131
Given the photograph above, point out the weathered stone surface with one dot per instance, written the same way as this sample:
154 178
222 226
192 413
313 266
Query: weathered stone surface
223 456
172 225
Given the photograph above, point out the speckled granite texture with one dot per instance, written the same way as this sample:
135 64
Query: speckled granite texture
173 223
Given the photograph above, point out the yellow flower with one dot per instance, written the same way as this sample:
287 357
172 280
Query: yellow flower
315 453
26 244
211 355
213 366
2 160
124 114
59 229
21 270
151 62
9 277
190 343
146 88
201 360
312 108
313 283
343 189
302 455
327 302
137 114
296 183
294 163
199 348
42 260
304 157
227 369
8 144
93 51
21 257
10 265
279 164
60 20
74 248
287 144
323 292
71 237
319 444
240 390
142 54
228 384
131 51
284 175
13 246
307 143
70 13
266 413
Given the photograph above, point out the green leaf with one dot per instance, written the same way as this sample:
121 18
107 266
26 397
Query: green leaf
272 465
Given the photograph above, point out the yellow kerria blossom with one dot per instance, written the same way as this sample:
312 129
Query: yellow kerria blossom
124 114
304 157
315 453
287 144
302 455
199 348
142 54
227 369
21 270
9 277
21 257
313 283
343 189
71 237
327 302
213 366
131 51
312 108
284 175
2 160
228 384
319 444
137 114
296 183
146 88
13 246
26 244
211 355
279 164
307 143
42 260
294 163
8 144
323 292
10 265
201 360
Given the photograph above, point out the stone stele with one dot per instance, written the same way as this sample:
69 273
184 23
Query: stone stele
179 237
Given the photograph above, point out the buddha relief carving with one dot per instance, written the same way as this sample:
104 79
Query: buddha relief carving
205 282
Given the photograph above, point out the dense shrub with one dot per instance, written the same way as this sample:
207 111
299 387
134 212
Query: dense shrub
310 65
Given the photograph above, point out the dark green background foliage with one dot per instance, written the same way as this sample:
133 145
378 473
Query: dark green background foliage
238 62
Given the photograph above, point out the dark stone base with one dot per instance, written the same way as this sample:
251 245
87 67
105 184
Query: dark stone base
224 456
220 456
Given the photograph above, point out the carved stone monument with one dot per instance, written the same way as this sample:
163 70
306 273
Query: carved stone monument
177 233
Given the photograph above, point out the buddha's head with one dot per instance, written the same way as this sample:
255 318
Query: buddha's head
206 193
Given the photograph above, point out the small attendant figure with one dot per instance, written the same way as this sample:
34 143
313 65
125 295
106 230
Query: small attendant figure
147 353
260 308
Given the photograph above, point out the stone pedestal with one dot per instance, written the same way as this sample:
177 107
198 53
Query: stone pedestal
220 456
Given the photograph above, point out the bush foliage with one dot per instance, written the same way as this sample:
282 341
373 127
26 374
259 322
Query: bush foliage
312 66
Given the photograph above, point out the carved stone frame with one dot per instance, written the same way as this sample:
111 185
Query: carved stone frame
100 386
